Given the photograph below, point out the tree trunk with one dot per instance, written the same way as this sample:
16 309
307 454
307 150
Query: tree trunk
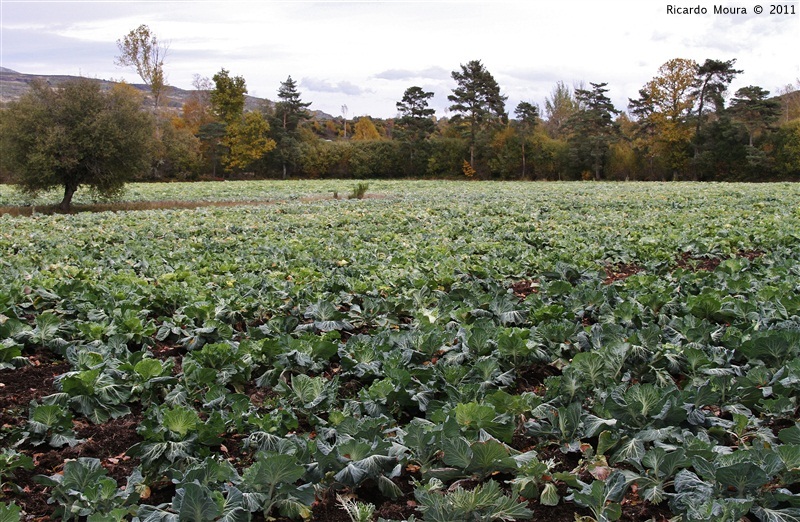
523 159
66 203
472 155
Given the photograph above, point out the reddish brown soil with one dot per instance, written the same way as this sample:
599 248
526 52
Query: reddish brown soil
524 288
687 261
531 378
620 271
18 387
750 254
107 442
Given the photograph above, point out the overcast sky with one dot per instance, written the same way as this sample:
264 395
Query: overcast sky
366 54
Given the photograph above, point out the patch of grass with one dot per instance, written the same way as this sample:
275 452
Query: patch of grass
359 191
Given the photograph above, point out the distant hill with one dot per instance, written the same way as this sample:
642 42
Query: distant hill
14 84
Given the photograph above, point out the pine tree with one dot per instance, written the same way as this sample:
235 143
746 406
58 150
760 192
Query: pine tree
290 109
290 112
416 118
528 116
477 101
593 128
754 110
415 123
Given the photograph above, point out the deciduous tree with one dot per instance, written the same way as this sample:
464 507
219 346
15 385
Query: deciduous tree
247 140
77 135
141 50
558 108
664 108
197 110
365 130
227 97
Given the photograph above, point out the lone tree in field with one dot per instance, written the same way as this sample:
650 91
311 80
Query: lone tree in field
141 50
76 135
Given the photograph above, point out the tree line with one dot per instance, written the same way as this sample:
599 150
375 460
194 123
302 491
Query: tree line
682 126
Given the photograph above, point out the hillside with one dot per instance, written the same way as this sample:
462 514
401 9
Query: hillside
14 84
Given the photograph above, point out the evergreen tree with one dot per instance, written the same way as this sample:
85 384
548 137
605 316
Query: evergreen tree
290 112
415 123
416 118
751 107
477 101
757 113
711 81
528 116
593 128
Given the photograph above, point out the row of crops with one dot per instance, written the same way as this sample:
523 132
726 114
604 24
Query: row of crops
446 352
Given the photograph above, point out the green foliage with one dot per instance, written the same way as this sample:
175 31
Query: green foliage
227 97
247 141
10 512
593 129
11 460
359 191
269 484
458 334
603 497
357 511
84 490
76 135
485 503
51 423
477 101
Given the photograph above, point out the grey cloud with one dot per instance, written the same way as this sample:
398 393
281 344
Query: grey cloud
345 87
432 73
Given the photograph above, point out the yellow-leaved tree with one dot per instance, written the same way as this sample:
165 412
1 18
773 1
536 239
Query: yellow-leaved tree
663 110
365 130
247 140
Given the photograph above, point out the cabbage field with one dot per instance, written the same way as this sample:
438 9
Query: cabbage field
439 351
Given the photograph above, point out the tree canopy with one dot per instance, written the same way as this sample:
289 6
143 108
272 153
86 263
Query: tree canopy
76 135
141 50
477 101
291 110
415 117
593 127
227 97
